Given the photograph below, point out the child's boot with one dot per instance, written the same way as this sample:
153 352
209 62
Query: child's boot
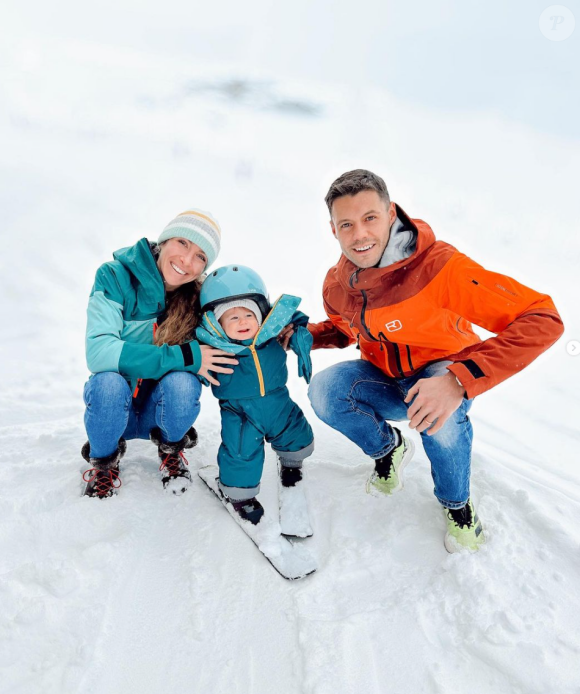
248 509
294 516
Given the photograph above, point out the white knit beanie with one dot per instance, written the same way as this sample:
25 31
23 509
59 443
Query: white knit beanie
196 226
252 306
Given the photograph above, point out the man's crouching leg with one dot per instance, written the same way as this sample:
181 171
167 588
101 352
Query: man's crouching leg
449 451
356 398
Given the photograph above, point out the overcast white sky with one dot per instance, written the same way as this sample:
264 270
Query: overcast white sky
451 54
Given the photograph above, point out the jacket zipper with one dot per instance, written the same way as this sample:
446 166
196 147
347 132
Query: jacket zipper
393 345
258 369
255 353
409 358
396 351
140 380
253 350
371 337
212 326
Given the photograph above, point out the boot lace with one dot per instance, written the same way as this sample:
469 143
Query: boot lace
104 479
384 466
172 463
460 516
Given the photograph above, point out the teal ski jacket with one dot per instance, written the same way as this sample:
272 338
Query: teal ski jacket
262 360
125 302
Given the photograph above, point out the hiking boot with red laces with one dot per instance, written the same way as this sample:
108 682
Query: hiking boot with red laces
173 464
103 477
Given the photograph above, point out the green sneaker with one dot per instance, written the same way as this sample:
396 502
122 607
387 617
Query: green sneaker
464 531
388 475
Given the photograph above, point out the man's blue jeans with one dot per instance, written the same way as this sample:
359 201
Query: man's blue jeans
355 398
172 406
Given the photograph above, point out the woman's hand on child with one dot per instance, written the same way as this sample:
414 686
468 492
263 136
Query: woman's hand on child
211 359
285 335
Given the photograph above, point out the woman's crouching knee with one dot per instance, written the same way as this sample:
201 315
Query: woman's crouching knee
107 389
182 385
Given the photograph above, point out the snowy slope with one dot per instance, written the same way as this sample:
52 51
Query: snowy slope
152 593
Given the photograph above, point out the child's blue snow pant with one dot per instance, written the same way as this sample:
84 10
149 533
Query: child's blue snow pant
245 425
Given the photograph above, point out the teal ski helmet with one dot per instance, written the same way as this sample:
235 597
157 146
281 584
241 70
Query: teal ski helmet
234 282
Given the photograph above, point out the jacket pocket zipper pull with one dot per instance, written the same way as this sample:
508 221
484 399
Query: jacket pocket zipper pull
137 387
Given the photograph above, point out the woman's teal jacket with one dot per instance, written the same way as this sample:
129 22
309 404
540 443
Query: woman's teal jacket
262 360
126 299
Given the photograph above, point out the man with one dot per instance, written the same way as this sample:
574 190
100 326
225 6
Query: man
408 302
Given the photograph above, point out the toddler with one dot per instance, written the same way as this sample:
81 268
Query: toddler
254 401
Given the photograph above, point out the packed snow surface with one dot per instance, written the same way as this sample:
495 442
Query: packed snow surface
293 510
150 592
292 560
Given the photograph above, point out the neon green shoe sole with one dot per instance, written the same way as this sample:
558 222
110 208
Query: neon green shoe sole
380 486
467 538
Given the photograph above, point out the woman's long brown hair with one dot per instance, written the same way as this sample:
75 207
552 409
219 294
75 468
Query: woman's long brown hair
181 315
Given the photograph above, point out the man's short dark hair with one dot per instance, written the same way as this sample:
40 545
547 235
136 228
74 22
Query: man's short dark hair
353 182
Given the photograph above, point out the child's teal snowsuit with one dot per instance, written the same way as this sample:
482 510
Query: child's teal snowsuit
254 401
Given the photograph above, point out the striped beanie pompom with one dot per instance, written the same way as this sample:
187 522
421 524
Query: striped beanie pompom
196 226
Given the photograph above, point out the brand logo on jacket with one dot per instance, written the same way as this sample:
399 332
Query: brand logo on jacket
500 286
393 325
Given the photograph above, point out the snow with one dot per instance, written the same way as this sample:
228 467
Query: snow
178 485
150 592
293 510
292 560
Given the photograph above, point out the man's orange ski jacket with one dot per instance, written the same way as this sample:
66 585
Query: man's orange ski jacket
421 309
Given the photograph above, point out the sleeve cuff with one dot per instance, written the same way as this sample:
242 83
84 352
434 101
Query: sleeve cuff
465 377
191 352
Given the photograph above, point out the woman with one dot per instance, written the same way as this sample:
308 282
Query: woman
142 313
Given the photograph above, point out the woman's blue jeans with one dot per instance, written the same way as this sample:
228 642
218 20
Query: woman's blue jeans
172 406
355 398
